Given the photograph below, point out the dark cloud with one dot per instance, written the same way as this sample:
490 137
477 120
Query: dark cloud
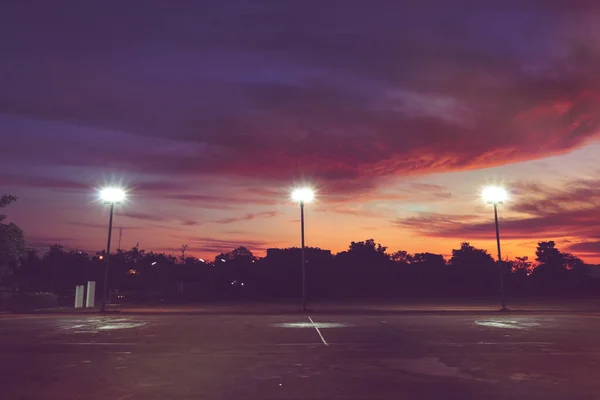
427 187
161 189
247 217
189 222
156 217
362 212
428 191
58 183
42 182
144 216
221 202
586 248
215 245
541 200
236 232
351 93
578 223
101 226
552 213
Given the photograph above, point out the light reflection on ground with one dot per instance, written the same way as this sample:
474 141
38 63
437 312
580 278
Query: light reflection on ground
120 325
507 324
92 325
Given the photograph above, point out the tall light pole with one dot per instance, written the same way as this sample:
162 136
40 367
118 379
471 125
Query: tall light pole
303 195
496 195
110 196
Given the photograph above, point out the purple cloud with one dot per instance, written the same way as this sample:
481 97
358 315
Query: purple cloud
215 245
408 95
247 217
556 213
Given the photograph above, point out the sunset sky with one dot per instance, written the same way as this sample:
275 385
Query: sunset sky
397 113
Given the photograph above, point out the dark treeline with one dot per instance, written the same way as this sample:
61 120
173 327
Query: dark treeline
365 269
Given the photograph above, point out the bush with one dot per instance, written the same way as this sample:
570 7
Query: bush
29 302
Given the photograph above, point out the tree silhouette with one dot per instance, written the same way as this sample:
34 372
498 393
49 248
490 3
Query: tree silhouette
470 257
522 266
366 247
473 270
426 273
429 260
551 263
4 201
401 257
547 253
365 269
183 249
12 242
364 254
558 271
242 254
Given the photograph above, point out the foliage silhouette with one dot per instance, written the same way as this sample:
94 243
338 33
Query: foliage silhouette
364 270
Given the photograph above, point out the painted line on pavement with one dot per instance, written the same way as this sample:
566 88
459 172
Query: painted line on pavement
318 331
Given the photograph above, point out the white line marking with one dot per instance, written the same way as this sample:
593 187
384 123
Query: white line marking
318 331
295 344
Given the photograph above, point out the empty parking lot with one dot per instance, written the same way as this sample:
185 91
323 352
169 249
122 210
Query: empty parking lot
300 356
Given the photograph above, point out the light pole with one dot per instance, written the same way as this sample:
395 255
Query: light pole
303 195
110 196
496 195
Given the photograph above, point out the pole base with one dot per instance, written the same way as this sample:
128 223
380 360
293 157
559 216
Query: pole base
504 309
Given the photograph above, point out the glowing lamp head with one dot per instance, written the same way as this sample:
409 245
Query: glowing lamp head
112 195
303 195
494 195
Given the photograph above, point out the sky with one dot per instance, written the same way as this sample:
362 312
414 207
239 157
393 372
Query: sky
209 113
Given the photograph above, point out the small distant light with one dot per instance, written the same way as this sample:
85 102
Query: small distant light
101 258
132 272
154 263
242 283
201 260
222 260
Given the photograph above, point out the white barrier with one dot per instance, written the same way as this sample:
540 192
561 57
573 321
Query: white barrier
79 289
91 294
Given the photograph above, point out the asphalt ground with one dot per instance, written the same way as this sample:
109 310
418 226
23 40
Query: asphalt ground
476 355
